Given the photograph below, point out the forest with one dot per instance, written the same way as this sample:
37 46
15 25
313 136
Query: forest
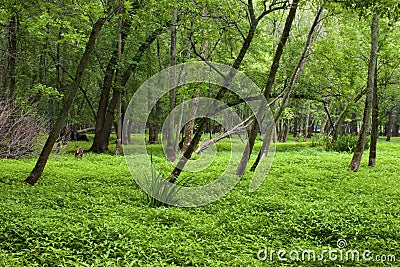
199 133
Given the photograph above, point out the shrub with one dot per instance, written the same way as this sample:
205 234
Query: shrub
20 130
163 193
343 143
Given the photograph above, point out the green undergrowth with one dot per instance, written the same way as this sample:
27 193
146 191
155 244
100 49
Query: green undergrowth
90 212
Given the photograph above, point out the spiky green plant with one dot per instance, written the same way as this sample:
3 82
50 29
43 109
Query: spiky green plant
160 191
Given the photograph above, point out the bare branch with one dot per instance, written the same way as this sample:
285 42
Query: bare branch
244 3
275 6
206 61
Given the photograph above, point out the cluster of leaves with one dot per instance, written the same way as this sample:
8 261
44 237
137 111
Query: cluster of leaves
75 216
160 191
343 143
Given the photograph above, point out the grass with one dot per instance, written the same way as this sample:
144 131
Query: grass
90 212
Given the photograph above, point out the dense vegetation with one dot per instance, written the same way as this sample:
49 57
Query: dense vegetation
319 78
75 216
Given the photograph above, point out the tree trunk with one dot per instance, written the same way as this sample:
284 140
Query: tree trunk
68 101
119 127
391 119
284 131
306 128
189 127
103 137
331 124
236 65
268 87
323 125
354 124
154 127
362 136
295 126
154 118
153 133
100 141
375 122
395 128
289 88
343 115
170 150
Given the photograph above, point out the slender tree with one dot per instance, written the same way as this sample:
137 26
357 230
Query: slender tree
362 136
68 101
254 21
254 128
375 122
171 152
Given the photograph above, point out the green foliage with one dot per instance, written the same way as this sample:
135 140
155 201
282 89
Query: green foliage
343 143
91 213
162 193
46 91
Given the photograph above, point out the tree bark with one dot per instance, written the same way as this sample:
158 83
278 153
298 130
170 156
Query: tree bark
100 141
289 88
170 150
268 88
189 127
153 123
391 122
254 21
68 101
343 115
362 136
375 122
395 128
103 140
306 127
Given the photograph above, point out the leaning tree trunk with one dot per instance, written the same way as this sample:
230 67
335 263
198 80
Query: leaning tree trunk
289 88
268 87
122 80
68 101
254 21
362 136
339 122
375 123
100 141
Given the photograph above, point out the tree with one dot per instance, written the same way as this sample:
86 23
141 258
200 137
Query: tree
254 21
171 152
68 101
289 88
254 128
359 149
375 122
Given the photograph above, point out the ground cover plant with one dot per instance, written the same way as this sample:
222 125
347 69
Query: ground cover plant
90 212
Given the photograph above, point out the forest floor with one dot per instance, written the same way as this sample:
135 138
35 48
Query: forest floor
90 212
